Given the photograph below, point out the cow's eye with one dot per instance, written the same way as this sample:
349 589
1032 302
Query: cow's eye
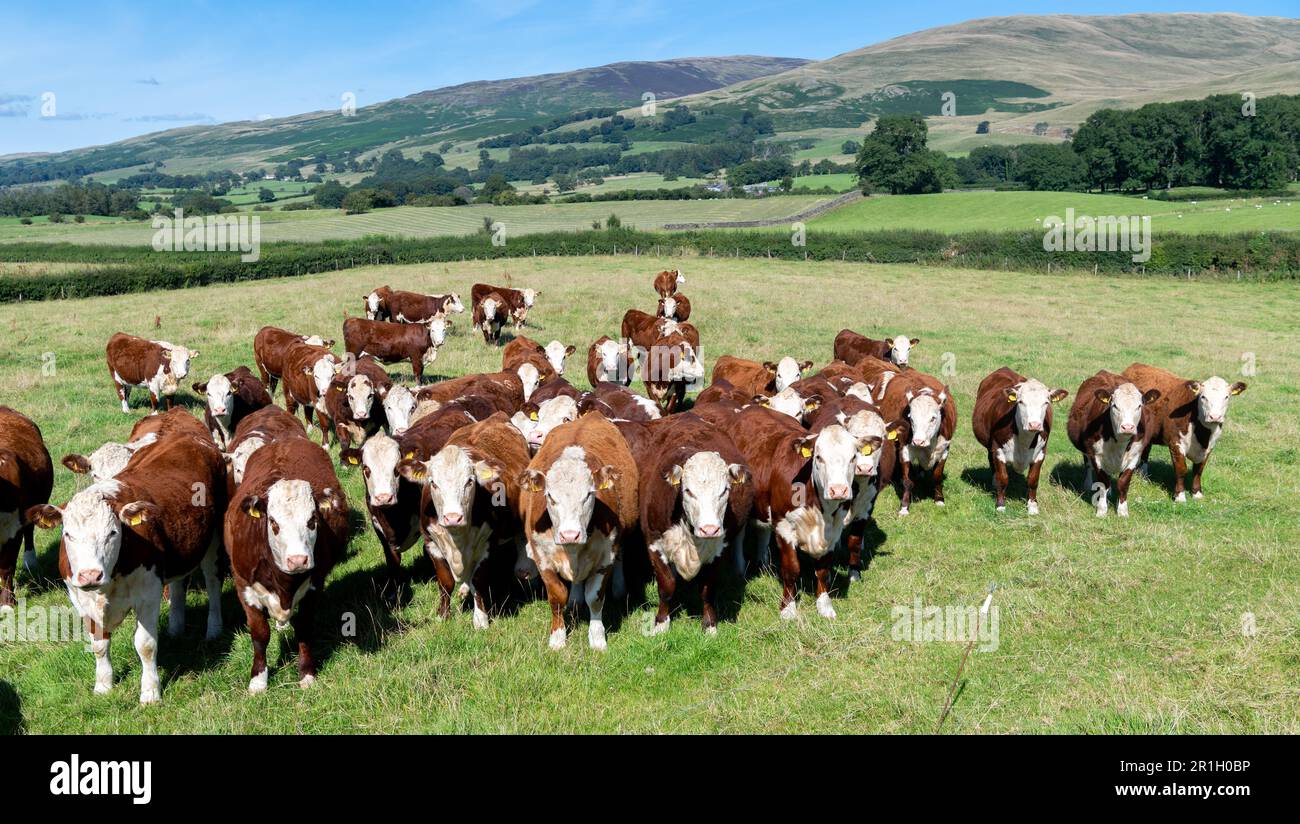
275 527
690 494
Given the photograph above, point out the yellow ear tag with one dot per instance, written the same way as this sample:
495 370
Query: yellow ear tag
352 460
409 455
606 485
1237 391
1105 398
867 450
892 435
805 451
532 416
676 482
419 474
767 405
813 406
485 475
1011 396
325 506
338 389
136 520
44 522
253 513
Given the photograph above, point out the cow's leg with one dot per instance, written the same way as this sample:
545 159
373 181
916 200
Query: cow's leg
525 569
1121 492
153 402
168 399
1100 490
789 558
304 630
708 596
123 394
8 565
176 614
856 532
1031 480
936 476
1087 475
1144 465
212 580
1180 471
446 583
29 554
906 502
99 644
259 630
1197 469
1000 480
309 416
595 591
146 638
823 570
738 548
558 595
763 544
478 584
266 376
417 369
667 585
618 580
290 405
392 566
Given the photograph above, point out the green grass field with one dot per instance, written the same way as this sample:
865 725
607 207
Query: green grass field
1115 625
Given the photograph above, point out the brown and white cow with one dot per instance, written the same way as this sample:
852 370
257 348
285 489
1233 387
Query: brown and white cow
1190 415
851 347
789 402
353 409
490 315
1112 422
285 529
271 345
536 421
111 458
1013 422
395 342
413 307
695 491
748 377
926 408
615 401
470 504
26 478
308 372
126 538
376 303
254 432
517 302
666 283
579 497
674 307
667 355
156 365
608 360
231 397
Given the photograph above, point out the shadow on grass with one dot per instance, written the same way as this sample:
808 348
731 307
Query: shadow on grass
11 711
1069 475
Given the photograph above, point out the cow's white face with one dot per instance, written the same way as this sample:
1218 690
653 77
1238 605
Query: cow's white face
220 395
685 366
570 491
239 458
787 372
925 414
670 307
438 331
291 525
1212 400
317 340
92 535
453 303
610 354
530 295
833 462
787 402
1032 400
379 458
900 349
551 413
110 459
861 391
399 404
556 353
524 424
1125 409
868 430
178 357
489 310
454 478
323 372
680 277
361 396
372 305
530 377
705 481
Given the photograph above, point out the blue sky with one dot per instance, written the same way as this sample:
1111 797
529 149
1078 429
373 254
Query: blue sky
127 68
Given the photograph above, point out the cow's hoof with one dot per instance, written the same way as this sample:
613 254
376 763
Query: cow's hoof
1180 498
463 590
711 631
824 608
480 619
1033 507
1101 512
790 611
1122 510
1198 495
596 639
307 681
1002 508
938 503
902 512
29 563
257 684
661 627
150 696
854 576
103 688
558 639
214 631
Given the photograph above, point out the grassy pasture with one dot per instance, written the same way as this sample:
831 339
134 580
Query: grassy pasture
1104 625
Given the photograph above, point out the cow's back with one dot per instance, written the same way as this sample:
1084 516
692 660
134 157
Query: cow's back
991 405
21 436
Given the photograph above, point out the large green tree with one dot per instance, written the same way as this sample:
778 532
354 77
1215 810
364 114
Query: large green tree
894 158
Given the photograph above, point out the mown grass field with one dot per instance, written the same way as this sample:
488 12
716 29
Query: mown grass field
1104 625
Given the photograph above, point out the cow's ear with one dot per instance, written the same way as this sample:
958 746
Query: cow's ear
804 366
914 341
199 387
1103 396
607 476
1012 395
569 350
1237 388
1058 395
350 457
769 366
763 400
909 395
892 430
812 402
1194 387
329 500
306 370
77 463
487 472
381 391
531 480
674 476
253 507
413 470
45 516
804 446
137 513
738 473
1151 396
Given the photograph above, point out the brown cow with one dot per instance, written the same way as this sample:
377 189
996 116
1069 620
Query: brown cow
270 347
26 478
413 307
1112 422
126 538
231 397
851 347
667 356
308 372
666 283
608 360
747 377
1013 421
674 307
579 497
286 528
615 401
460 522
517 302
395 342
377 304
111 458
489 316
926 408
694 489
254 432
352 408
157 365
1190 414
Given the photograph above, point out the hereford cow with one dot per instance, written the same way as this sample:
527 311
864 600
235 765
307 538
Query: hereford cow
747 377
231 398
615 401
608 360
517 302
674 307
285 529
923 403
790 402
851 347
536 421
376 304
1013 421
489 316
803 487
125 539
156 365
26 478
666 283
694 490
111 458
1112 422
667 355
254 432
396 342
461 522
270 347
579 497
308 372
353 409
413 307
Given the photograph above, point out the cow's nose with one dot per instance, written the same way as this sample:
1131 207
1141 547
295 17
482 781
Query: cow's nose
400 431
361 416
536 437
1216 419
297 563
569 537
1035 426
90 577
452 519
838 492
383 499
918 442
709 531
220 410
1128 427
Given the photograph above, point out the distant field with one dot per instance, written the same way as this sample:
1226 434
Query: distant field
1104 626
618 183
839 182
426 222
971 211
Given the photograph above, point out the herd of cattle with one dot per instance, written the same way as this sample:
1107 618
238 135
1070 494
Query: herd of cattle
579 488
